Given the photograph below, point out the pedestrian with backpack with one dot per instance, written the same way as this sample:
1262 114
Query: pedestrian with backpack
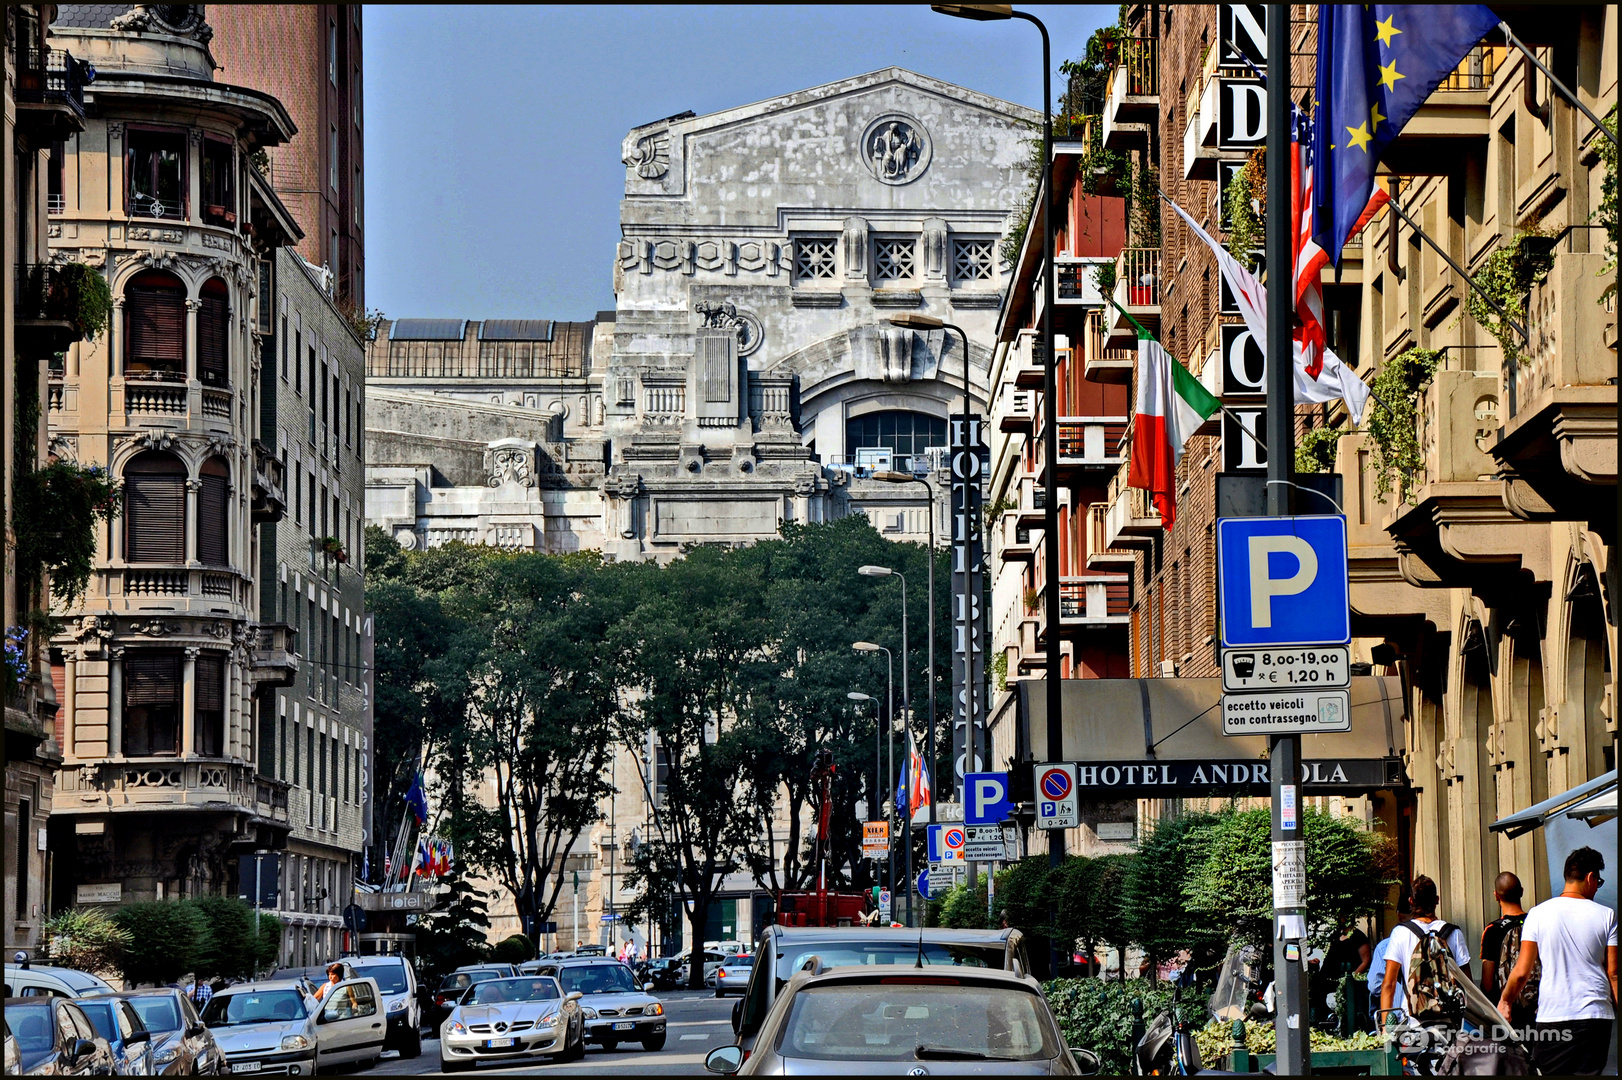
1416 982
1574 939
1501 945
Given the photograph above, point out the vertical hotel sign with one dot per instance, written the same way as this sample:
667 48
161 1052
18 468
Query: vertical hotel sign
968 585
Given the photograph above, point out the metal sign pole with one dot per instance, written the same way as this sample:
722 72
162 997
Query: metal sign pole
1293 1020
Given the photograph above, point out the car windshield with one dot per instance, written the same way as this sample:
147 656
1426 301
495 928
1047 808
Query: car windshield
597 979
499 990
255 1007
740 961
905 1019
31 1026
157 1013
390 978
847 953
101 1018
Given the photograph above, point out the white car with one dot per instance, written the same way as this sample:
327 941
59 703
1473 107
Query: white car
507 1019
52 981
279 1027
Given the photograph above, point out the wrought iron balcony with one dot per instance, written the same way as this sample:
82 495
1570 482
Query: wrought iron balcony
50 92
46 309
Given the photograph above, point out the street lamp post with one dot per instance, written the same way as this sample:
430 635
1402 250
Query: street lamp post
878 760
891 477
889 705
1050 397
906 694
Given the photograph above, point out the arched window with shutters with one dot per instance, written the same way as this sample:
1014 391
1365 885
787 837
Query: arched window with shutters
155 509
213 517
155 326
214 334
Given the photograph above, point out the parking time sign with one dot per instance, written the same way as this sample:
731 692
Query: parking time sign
1282 581
1056 797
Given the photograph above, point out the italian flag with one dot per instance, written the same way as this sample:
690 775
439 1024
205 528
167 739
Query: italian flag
1171 405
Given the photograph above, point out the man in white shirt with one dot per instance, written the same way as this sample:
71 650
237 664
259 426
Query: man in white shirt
1575 939
1399 953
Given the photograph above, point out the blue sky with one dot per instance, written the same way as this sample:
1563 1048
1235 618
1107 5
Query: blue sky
493 134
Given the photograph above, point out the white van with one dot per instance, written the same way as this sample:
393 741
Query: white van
47 980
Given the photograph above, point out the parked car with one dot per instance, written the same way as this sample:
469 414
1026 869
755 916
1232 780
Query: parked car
55 1038
278 1027
783 949
664 972
181 1044
52 981
614 1008
900 1020
507 1019
128 1039
451 989
732 977
591 950
397 982
501 971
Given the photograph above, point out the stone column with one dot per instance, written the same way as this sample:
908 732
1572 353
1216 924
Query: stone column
237 722
193 486
70 671
193 306
188 702
115 703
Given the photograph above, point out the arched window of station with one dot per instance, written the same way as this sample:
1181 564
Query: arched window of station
155 509
155 327
906 434
213 514
214 334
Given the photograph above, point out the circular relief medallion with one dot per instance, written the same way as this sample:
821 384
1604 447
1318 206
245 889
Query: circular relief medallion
896 149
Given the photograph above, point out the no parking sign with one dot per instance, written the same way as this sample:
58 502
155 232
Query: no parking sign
946 843
1056 797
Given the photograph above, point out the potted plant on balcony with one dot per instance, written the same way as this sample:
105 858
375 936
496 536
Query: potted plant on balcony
332 546
1393 429
54 516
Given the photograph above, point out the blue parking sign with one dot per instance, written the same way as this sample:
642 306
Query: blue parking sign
1282 581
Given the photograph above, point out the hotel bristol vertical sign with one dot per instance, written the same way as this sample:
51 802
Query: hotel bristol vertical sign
968 585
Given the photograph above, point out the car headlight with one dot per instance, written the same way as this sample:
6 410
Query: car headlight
295 1042
588 1013
655 1009
456 1028
166 1055
549 1018
397 1005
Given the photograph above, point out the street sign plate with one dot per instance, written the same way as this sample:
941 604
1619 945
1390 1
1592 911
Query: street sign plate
985 843
1282 581
875 839
923 883
1326 667
946 843
985 800
1286 713
884 903
942 878
1056 797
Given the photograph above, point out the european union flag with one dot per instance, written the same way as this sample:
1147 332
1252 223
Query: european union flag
417 799
1377 63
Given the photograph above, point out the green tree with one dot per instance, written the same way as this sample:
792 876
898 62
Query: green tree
1155 915
1349 870
454 934
269 948
515 949
230 946
167 939
87 939
1087 894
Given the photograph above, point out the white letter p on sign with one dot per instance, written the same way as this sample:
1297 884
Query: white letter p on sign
1264 588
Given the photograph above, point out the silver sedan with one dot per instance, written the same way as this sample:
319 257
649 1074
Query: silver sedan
506 1019
732 977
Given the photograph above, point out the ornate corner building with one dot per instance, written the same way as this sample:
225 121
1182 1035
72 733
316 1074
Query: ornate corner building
180 751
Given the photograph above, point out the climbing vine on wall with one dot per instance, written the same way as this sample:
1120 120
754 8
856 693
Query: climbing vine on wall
1508 276
1315 453
1246 200
1393 429
1606 213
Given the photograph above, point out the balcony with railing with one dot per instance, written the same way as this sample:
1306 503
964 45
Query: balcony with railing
1133 96
1100 556
1019 538
1088 446
46 308
274 657
1016 408
1131 520
131 785
1137 290
1025 360
1074 280
1033 500
269 485
50 93
1095 602
187 587
1103 363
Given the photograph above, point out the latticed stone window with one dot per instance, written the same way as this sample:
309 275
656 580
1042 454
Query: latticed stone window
814 258
893 260
972 260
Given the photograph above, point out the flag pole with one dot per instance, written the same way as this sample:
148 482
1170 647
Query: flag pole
1459 270
1556 83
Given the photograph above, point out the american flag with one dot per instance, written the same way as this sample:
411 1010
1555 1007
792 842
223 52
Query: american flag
1310 259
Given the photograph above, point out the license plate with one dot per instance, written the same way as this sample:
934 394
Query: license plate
624 1027
496 1044
245 1066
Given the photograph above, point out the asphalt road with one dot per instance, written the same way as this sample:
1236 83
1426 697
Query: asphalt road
698 1023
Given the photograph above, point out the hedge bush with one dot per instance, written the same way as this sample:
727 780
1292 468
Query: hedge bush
1096 1015
166 940
513 950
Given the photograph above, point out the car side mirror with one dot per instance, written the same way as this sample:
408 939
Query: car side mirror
725 1060
737 1017
83 1048
1086 1060
647 987
573 995
135 1037
195 1030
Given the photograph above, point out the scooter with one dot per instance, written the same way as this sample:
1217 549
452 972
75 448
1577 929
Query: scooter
1168 1047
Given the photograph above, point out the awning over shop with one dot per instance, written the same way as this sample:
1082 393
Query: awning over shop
1584 816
